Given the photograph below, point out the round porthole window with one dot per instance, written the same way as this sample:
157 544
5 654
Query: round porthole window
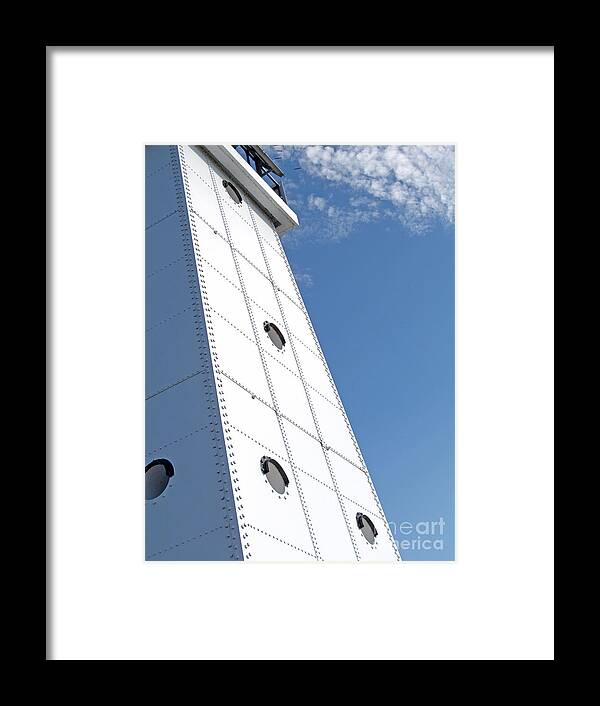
274 474
366 526
232 191
274 334
158 475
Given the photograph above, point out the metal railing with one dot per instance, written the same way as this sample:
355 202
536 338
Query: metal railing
264 166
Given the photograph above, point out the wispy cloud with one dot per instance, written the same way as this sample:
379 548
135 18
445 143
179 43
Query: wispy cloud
316 203
342 220
411 183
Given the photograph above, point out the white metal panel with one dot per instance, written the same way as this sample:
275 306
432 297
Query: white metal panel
263 303
215 249
287 289
241 230
220 294
354 485
273 357
265 228
204 201
238 356
307 453
244 238
225 295
315 371
331 531
291 396
297 323
245 242
280 515
278 267
281 276
263 546
251 416
198 162
334 429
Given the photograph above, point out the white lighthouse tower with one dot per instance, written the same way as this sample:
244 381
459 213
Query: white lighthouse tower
249 452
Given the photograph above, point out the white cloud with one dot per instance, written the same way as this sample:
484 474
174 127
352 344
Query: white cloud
416 180
317 202
362 202
341 221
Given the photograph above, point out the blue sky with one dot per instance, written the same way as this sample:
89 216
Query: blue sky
374 258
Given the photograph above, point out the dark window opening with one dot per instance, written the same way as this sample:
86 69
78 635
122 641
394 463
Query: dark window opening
275 474
264 166
366 526
158 475
232 191
274 334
